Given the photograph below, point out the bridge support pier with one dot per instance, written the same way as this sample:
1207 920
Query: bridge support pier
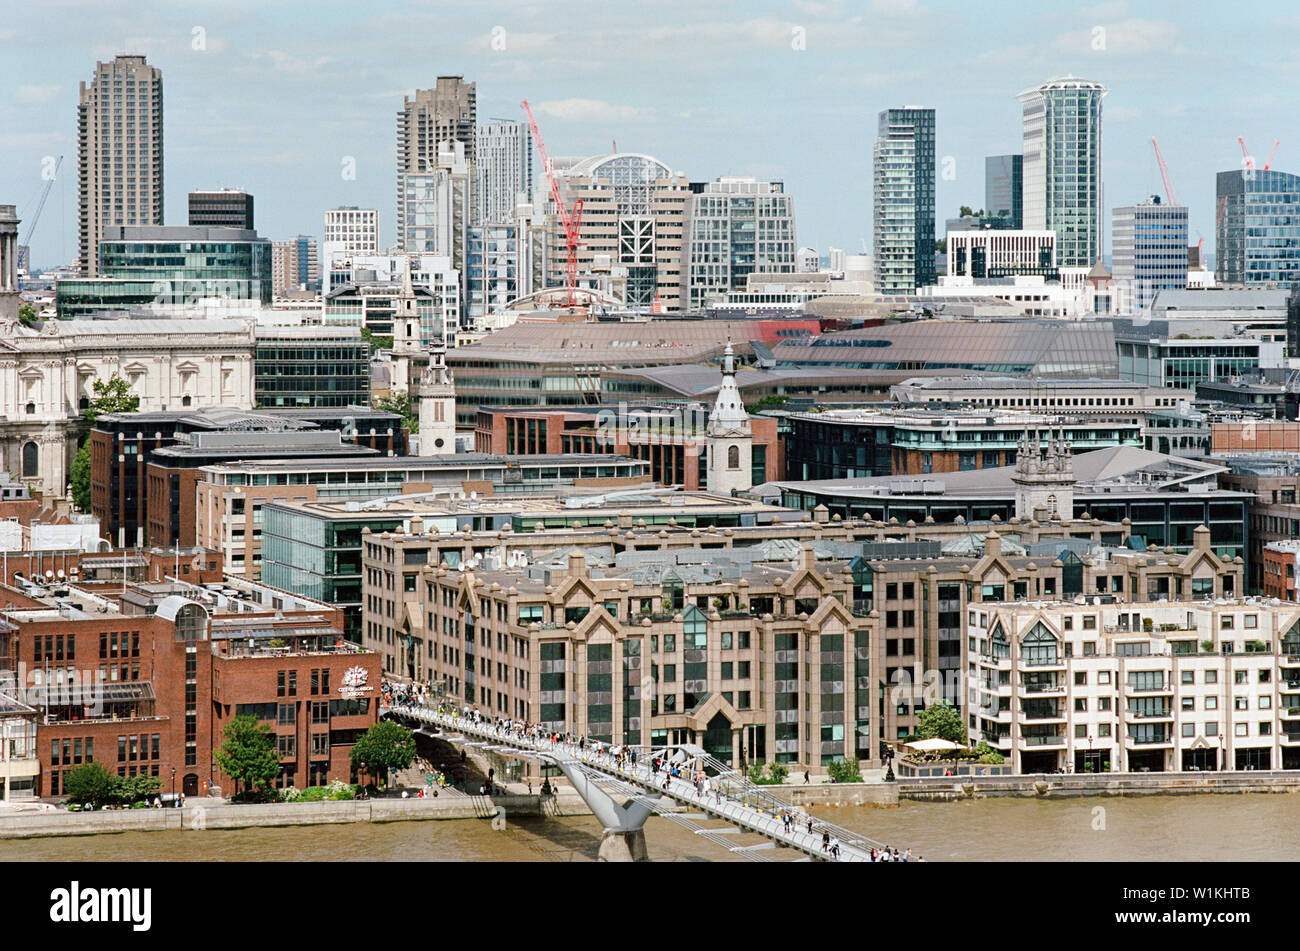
624 836
617 845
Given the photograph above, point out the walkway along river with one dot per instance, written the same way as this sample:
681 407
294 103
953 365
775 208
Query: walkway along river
1250 827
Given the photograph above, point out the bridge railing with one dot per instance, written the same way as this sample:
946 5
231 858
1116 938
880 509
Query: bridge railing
732 792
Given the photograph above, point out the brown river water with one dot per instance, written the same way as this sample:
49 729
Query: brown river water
1255 827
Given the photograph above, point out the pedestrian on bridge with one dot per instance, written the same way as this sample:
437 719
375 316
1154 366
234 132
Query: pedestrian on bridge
826 840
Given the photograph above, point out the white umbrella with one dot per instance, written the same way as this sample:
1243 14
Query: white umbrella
933 745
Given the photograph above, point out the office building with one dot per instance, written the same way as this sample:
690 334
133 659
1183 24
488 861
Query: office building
230 496
353 229
294 265
309 366
1004 189
503 170
997 252
1149 244
735 227
1062 166
904 200
1256 238
852 443
222 208
371 290
1165 497
1150 354
633 213
152 264
119 153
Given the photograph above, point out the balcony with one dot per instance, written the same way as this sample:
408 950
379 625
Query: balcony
1048 690
1042 740
1159 740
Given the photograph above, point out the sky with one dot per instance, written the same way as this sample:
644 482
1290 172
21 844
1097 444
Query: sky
280 97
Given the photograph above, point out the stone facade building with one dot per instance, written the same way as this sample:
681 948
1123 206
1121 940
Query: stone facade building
47 377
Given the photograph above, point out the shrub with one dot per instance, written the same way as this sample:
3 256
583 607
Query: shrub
290 794
775 775
844 771
1207 646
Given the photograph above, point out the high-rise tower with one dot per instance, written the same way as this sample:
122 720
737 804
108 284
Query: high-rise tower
119 151
904 200
1062 166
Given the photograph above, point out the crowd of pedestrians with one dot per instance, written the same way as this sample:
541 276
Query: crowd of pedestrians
659 771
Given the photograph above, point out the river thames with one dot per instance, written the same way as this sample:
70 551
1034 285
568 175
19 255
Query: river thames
1256 827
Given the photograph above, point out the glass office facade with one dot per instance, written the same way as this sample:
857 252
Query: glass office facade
1257 227
324 372
1150 252
1161 361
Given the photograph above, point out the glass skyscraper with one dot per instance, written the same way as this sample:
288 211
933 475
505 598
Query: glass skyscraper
1149 243
904 200
1062 166
1257 227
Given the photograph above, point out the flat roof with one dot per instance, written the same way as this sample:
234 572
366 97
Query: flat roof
458 460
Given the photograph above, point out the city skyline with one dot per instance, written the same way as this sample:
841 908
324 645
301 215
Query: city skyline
741 91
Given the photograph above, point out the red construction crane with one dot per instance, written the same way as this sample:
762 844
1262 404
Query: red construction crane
1269 163
1164 173
1246 158
570 219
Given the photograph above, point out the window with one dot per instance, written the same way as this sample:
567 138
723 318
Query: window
1211 703
1239 729
1241 703
1211 676
31 454
1081 678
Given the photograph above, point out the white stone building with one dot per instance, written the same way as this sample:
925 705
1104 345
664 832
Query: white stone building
47 378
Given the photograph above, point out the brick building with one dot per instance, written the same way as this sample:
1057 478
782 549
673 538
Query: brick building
145 685
671 438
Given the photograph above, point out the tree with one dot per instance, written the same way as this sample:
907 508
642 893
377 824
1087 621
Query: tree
965 212
27 313
771 401
89 783
384 746
376 341
400 402
941 721
111 396
248 754
129 789
81 476
844 771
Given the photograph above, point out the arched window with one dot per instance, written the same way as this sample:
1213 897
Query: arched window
31 460
733 457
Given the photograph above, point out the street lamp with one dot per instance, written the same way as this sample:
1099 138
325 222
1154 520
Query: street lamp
173 784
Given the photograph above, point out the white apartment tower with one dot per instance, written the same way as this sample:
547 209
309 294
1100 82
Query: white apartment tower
120 153
503 169
1062 166
353 229
730 438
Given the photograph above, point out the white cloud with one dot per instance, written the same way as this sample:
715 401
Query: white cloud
1124 38
33 94
596 110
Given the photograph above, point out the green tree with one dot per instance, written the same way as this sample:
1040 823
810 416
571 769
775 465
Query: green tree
248 754
111 396
384 746
377 342
941 721
771 401
129 789
965 212
89 783
27 313
844 771
400 402
81 476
